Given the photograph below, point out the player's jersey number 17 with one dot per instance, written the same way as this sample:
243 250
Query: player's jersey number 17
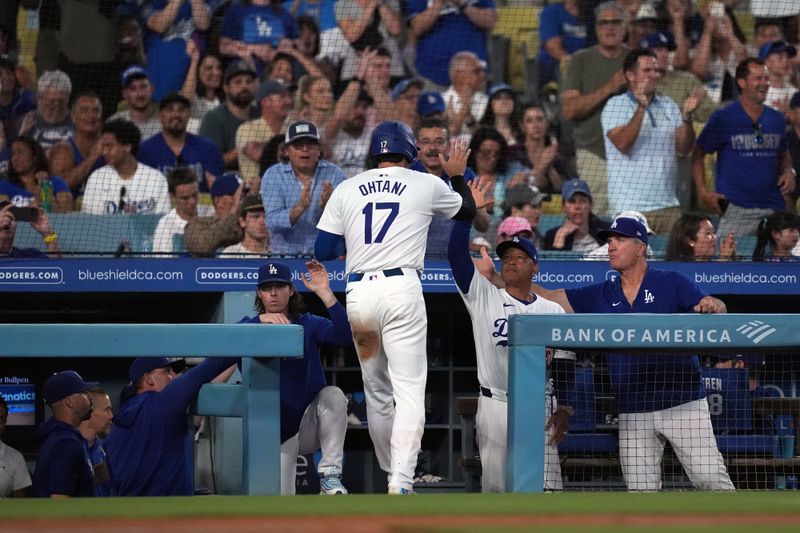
372 208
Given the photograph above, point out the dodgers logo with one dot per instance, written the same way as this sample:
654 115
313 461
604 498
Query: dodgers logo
272 269
501 330
648 297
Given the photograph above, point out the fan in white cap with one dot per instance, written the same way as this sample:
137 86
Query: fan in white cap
601 254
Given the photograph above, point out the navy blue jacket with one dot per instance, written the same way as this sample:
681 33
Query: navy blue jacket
303 378
63 465
150 450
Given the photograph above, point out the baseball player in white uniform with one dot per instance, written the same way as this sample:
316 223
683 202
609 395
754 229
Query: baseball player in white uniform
489 308
383 216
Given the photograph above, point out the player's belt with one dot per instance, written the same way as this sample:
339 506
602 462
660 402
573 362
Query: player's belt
358 276
494 394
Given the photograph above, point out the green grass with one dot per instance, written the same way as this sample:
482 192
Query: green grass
705 503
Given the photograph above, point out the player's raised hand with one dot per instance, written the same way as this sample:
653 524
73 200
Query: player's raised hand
317 281
484 265
482 189
456 163
317 277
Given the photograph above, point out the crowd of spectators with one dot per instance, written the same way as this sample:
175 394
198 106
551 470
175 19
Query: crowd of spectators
131 98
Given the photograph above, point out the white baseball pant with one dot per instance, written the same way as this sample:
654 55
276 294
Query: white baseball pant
688 429
389 323
491 426
323 426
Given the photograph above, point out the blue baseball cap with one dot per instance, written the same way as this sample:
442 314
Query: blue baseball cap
270 87
627 227
403 86
301 129
574 186
64 383
497 88
521 243
750 360
429 103
274 271
658 39
133 72
776 47
143 365
226 185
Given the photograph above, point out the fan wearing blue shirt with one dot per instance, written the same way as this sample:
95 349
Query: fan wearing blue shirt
169 24
661 397
753 173
175 147
254 29
295 193
562 33
445 27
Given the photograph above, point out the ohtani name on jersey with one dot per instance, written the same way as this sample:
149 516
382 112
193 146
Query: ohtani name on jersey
646 335
393 187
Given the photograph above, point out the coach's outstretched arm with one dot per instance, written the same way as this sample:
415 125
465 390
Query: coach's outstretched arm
485 266
454 166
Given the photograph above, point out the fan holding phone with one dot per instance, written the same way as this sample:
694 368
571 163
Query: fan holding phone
10 216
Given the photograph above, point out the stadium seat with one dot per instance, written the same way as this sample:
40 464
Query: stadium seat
553 206
499 47
520 24
745 245
548 222
658 243
583 437
731 408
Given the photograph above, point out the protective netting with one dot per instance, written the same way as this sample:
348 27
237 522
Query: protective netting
710 421
542 92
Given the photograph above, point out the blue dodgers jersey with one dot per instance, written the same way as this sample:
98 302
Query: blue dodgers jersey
652 382
452 32
198 153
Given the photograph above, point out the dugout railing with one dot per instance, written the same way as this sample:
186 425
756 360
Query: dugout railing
255 400
640 333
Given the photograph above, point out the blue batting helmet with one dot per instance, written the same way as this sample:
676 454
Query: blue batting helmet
392 137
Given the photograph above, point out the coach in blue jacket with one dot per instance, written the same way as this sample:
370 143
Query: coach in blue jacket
313 415
150 451
63 466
